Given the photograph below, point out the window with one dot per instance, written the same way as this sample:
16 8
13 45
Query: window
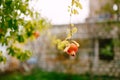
106 49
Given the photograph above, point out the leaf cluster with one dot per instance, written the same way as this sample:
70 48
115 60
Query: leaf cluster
74 7
17 24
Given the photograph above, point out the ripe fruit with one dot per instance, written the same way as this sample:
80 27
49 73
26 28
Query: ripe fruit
1 30
71 49
36 34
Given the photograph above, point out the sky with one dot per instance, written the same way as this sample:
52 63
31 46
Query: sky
57 10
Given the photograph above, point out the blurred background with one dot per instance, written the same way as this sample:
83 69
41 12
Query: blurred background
98 57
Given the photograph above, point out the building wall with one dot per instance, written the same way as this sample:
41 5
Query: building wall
96 13
95 6
87 58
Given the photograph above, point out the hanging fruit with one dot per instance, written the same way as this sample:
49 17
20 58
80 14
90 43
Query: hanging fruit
72 48
36 34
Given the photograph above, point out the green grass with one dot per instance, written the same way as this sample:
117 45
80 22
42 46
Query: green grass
38 74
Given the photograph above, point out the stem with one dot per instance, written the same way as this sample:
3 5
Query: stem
71 19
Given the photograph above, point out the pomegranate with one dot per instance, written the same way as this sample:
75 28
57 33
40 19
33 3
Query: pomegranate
36 34
71 49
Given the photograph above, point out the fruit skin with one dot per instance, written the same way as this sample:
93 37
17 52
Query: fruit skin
71 49
1 30
36 34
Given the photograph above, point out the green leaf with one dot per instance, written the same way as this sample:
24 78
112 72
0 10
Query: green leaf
14 27
2 58
21 38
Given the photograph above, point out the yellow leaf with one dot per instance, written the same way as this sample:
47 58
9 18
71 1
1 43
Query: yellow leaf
72 11
73 1
65 42
75 11
69 7
58 40
74 30
69 36
68 10
80 6
72 25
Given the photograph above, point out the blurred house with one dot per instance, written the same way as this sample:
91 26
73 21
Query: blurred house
98 54
95 14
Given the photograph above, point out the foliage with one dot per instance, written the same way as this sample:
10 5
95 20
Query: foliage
17 24
74 7
38 74
2 58
107 51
